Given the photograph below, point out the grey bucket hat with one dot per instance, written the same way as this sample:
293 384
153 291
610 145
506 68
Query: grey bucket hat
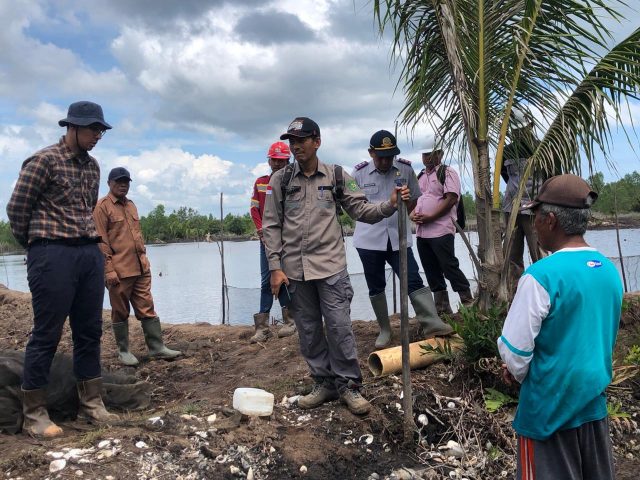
84 113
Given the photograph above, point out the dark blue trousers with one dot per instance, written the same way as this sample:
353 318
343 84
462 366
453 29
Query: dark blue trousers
266 297
373 262
65 281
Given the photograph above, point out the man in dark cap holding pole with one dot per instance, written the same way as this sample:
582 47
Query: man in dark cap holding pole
50 212
127 269
304 245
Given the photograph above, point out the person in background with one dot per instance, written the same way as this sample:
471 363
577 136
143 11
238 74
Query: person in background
558 340
127 269
378 243
278 156
50 212
516 154
434 215
305 248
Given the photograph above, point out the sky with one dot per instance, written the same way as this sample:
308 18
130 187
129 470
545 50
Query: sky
197 90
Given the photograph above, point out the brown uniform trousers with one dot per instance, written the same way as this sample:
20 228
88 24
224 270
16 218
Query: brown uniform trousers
135 291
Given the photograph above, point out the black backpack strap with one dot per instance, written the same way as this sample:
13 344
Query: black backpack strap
338 176
421 173
284 183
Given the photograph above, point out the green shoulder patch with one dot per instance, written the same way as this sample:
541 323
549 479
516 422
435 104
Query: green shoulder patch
353 186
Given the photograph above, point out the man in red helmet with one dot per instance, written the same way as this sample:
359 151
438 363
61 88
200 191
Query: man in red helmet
278 157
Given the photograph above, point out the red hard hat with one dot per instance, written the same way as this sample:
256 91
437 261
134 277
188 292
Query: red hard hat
279 150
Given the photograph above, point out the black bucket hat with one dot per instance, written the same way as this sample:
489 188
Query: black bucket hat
83 114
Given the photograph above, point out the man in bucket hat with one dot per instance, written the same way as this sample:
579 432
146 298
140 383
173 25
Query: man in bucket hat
558 339
50 212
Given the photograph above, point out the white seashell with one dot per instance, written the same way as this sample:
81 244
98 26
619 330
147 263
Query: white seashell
55 454
57 465
366 439
303 469
104 444
212 418
423 419
141 444
451 405
156 421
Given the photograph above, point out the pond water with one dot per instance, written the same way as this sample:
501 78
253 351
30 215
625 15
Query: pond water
187 277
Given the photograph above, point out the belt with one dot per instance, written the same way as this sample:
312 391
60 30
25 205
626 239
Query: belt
69 242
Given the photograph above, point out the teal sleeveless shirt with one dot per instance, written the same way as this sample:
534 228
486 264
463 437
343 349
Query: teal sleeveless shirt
571 365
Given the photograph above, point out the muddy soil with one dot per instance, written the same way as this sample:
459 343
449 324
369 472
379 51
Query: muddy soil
191 431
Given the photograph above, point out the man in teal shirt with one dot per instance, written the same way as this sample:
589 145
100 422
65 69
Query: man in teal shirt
558 341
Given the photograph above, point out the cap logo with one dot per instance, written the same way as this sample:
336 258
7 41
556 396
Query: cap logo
295 125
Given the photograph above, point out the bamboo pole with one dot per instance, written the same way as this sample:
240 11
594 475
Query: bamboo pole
407 398
389 361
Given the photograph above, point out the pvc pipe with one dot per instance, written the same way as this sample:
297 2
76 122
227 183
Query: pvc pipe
389 360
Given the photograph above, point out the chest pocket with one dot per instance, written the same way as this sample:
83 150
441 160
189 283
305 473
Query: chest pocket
293 201
326 205
116 223
370 189
62 190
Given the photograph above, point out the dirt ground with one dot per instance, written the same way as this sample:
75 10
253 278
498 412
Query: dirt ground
191 431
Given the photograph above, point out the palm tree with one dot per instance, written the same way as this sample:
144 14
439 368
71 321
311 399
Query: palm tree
468 63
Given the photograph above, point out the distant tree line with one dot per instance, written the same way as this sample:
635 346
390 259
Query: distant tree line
186 224
623 195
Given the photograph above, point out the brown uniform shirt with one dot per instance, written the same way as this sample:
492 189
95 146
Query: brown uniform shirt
118 224
305 241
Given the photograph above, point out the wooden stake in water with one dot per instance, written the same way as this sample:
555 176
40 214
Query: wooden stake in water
407 396
615 208
223 282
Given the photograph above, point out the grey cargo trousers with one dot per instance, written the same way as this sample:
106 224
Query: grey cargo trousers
329 348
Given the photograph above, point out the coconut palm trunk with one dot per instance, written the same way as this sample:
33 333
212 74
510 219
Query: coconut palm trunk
467 63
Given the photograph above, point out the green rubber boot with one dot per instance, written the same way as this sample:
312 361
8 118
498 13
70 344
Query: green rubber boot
121 333
379 304
153 338
431 325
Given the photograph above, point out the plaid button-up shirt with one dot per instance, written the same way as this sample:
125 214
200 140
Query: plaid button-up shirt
55 195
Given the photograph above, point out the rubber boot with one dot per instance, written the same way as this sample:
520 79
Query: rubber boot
431 325
36 418
153 338
91 406
121 333
379 304
289 327
442 302
261 321
466 298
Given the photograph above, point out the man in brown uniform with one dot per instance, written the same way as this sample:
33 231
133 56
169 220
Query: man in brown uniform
127 271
